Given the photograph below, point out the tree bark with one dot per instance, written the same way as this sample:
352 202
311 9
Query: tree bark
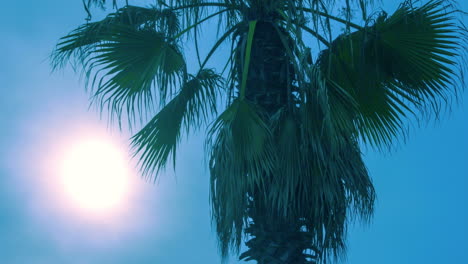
274 239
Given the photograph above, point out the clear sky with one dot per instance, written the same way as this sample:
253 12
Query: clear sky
422 187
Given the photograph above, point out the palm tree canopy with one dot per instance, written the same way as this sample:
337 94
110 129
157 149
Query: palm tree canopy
287 115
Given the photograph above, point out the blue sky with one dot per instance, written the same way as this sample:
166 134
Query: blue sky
421 211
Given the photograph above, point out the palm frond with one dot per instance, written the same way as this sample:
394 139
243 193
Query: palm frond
241 155
80 40
320 168
395 67
125 56
157 142
192 10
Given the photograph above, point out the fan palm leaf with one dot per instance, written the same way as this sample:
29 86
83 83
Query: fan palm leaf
398 66
194 104
125 57
241 154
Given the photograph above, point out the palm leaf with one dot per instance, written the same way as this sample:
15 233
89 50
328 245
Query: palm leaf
133 62
124 56
241 154
396 66
157 142
321 168
77 42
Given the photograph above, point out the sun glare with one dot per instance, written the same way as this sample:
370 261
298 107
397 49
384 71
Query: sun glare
95 175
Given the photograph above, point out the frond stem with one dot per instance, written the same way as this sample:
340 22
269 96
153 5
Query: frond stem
206 5
199 22
343 21
245 71
312 32
220 40
315 34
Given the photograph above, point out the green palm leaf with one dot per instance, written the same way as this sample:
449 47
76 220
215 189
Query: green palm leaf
396 66
77 42
241 155
321 168
124 57
157 142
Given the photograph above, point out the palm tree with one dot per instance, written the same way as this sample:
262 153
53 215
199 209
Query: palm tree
296 102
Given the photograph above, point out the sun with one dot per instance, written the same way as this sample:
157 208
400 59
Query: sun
95 175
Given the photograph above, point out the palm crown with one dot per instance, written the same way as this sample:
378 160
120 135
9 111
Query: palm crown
284 151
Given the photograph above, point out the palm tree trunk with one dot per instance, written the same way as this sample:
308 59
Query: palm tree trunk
274 239
277 240
271 73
